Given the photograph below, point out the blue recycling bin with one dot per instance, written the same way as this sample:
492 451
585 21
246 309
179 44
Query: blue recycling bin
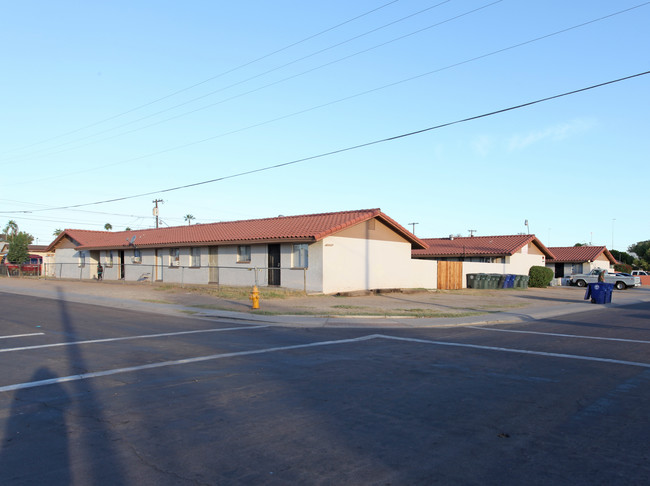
599 292
510 281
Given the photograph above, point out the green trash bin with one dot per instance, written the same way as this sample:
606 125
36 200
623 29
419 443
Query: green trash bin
494 281
502 282
517 284
481 280
472 281
524 281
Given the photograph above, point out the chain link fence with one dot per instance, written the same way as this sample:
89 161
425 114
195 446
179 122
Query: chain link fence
295 278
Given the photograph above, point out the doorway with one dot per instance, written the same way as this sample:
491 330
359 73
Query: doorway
121 256
213 264
274 264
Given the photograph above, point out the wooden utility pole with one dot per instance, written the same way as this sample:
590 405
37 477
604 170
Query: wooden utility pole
155 210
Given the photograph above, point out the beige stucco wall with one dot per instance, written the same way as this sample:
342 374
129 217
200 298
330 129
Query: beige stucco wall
364 258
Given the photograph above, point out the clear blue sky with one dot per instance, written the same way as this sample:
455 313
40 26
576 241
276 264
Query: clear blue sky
104 100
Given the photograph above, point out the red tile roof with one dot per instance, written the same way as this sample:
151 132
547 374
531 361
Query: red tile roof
478 246
304 228
578 254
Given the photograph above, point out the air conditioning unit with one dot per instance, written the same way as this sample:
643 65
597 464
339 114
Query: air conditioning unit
136 260
176 263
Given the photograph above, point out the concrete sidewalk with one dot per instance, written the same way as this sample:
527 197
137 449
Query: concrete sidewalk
442 308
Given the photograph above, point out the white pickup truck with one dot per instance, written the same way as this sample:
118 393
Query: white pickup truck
620 281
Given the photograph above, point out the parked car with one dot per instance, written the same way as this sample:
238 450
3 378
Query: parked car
620 281
639 272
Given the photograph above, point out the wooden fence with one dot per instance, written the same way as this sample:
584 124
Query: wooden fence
450 275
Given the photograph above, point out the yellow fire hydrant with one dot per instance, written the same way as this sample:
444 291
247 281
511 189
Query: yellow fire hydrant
255 297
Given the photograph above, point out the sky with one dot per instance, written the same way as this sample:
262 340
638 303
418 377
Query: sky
293 107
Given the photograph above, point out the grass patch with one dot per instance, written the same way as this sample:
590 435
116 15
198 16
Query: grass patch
156 301
233 293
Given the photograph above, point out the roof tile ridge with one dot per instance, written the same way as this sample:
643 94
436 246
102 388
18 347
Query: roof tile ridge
366 214
269 218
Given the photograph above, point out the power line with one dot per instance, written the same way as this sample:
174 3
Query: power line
238 83
354 147
340 100
212 78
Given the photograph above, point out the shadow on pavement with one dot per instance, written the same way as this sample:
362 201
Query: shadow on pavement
36 438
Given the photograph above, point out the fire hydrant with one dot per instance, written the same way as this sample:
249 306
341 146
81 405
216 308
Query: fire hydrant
255 297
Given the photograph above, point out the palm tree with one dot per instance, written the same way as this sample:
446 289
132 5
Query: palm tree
127 228
189 218
57 232
108 226
11 229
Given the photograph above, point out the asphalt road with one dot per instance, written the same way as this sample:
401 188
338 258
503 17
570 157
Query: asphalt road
90 395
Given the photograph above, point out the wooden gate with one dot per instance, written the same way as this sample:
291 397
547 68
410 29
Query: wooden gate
450 275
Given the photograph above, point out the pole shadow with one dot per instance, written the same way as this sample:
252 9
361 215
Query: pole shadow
36 441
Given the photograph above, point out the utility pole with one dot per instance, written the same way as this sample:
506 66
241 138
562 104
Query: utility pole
413 226
155 210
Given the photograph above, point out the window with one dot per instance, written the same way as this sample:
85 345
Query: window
174 257
109 259
243 254
137 256
82 258
300 256
195 257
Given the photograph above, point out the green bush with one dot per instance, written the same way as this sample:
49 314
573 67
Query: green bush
539 277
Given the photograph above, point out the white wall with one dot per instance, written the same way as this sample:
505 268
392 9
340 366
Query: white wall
380 260
519 263
67 264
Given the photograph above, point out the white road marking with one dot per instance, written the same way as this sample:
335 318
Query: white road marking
126 338
22 335
198 359
520 351
162 364
577 336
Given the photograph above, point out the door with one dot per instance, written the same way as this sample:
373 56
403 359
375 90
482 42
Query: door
274 264
158 267
121 256
213 264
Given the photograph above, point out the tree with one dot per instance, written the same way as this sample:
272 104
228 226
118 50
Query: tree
11 229
189 218
108 226
128 228
57 232
18 252
622 257
642 251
